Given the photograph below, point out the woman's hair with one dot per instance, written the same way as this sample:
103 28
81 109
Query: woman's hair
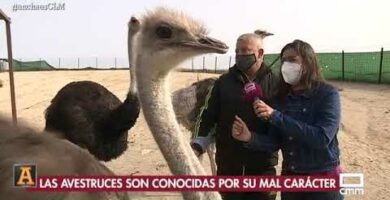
311 74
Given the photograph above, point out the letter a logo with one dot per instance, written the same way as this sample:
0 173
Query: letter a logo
25 175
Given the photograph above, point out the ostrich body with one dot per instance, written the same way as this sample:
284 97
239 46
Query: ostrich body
189 101
187 104
89 115
165 40
53 157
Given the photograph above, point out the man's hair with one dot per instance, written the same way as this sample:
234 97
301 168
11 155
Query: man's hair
249 36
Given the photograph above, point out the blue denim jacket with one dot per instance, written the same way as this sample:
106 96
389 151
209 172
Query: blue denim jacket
305 128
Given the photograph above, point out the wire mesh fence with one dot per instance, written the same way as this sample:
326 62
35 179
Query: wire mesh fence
356 66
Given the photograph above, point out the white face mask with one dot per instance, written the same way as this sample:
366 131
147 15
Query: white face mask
291 72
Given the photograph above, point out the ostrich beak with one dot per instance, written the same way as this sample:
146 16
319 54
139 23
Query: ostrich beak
204 43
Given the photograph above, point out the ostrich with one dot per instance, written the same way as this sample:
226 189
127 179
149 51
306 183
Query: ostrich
165 40
89 115
81 96
52 156
263 33
187 104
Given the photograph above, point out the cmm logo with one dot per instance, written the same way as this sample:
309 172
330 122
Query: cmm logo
355 188
25 175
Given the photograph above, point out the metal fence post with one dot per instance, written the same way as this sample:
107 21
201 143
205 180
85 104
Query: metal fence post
11 71
342 65
115 63
59 62
192 64
78 63
230 61
204 63
216 63
96 62
380 67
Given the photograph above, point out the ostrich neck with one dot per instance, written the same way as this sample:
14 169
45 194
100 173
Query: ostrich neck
156 103
130 52
133 84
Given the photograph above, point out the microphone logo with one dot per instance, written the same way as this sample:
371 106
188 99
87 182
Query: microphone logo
252 91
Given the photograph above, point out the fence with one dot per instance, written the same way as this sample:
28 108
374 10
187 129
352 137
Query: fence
358 66
371 67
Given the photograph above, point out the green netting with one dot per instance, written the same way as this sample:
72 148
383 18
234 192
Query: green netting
386 67
32 65
269 59
331 65
363 67
26 65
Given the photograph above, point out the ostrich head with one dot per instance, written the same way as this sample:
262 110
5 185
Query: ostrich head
172 36
134 25
262 33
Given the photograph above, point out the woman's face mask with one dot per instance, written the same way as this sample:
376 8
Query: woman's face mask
291 72
245 62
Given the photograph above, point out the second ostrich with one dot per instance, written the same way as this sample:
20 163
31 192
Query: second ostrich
92 117
187 104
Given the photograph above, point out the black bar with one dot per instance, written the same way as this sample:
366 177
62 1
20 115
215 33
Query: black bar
380 67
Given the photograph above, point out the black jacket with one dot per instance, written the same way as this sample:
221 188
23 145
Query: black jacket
224 102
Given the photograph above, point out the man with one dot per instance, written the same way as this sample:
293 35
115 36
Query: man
224 102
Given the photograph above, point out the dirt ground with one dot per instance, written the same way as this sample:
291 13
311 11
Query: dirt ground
364 141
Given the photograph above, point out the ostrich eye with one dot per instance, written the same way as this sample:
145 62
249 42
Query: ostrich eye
164 32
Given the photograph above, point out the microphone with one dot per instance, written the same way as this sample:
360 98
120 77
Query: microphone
252 91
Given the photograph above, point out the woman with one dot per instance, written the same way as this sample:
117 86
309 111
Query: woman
303 122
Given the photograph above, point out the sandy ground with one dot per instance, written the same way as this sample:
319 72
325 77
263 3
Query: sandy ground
364 142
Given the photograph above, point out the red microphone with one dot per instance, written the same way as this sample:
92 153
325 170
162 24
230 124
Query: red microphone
252 91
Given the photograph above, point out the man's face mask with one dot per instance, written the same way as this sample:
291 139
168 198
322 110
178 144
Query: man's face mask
244 62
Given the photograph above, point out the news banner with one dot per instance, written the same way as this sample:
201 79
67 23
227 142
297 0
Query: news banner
189 183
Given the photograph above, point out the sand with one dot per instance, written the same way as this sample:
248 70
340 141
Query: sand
364 142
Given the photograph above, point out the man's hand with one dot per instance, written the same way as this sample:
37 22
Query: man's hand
240 131
262 110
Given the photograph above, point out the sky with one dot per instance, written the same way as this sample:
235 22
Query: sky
98 28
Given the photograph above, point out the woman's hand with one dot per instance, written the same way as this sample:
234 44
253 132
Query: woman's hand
240 131
262 110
